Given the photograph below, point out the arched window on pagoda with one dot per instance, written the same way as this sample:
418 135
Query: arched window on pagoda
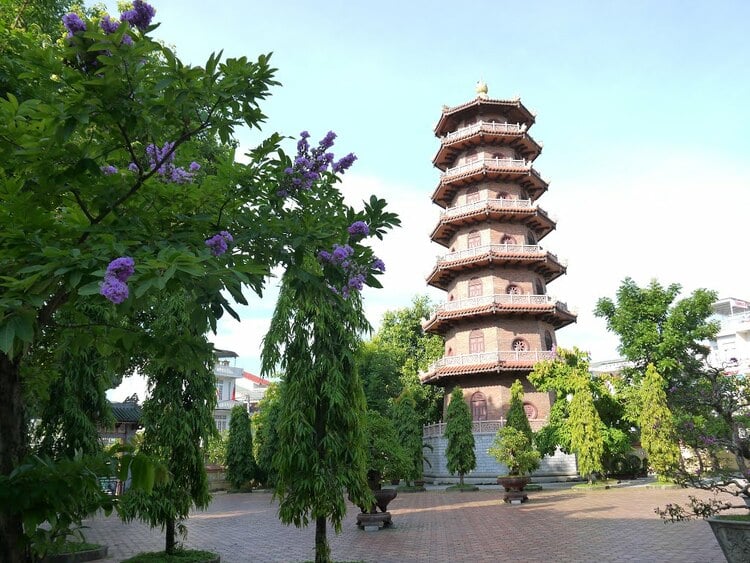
531 238
474 240
530 411
539 286
476 342
519 345
472 195
503 195
507 239
478 406
549 342
513 289
475 287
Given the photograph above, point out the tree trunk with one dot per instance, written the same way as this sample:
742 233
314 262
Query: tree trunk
12 444
322 549
170 541
461 479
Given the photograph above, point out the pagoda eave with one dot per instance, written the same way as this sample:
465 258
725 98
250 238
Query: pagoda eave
553 314
543 264
514 109
535 219
445 373
528 179
525 146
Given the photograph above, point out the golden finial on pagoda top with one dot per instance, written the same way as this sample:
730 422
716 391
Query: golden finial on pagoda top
482 90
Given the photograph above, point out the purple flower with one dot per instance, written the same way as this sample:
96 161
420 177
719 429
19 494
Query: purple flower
218 243
344 164
194 166
341 253
359 228
73 23
324 256
121 268
327 141
133 167
356 282
140 16
108 25
114 290
180 176
127 40
378 265
108 170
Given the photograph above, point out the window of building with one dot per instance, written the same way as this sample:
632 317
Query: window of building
539 286
475 287
476 342
474 240
503 195
221 422
472 195
507 239
219 390
531 237
478 406
530 410
513 289
519 345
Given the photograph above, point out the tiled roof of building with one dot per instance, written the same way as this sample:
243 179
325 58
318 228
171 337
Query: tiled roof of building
255 379
127 411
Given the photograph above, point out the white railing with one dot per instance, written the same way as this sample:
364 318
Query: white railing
486 203
492 357
488 126
230 371
496 248
489 163
499 299
477 427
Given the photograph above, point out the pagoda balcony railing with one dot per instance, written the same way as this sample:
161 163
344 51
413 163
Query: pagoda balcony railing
489 164
487 126
468 208
499 299
477 427
493 357
494 248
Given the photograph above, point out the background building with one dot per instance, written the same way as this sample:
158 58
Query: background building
731 349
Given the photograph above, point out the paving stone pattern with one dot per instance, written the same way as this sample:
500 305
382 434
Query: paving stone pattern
556 525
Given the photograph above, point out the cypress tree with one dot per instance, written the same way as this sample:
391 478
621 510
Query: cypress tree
658 434
586 438
460 449
241 466
516 417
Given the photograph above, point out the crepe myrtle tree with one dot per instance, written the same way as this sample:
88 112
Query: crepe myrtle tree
110 191
314 339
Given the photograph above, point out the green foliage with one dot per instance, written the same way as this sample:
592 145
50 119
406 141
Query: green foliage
654 329
241 467
514 449
408 425
215 449
459 452
575 425
380 371
386 456
516 416
658 435
177 556
265 442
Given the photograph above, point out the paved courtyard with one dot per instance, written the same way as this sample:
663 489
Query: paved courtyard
557 524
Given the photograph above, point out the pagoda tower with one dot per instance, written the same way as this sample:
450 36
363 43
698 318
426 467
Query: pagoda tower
498 319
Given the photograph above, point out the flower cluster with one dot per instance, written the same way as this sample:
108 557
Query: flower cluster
162 159
115 287
218 243
109 170
359 228
73 23
310 164
355 275
140 16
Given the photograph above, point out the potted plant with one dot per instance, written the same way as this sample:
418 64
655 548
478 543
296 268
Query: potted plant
712 427
516 451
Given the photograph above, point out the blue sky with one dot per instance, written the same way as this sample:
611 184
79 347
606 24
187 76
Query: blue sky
642 108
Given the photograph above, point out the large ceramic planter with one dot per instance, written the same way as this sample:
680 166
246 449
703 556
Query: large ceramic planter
733 537
513 485
77 557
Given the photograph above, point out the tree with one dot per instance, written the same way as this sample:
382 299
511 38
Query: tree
575 425
380 371
408 425
313 340
177 417
458 432
654 329
516 416
266 423
241 467
658 434
103 132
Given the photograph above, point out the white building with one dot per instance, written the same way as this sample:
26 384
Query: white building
234 386
731 349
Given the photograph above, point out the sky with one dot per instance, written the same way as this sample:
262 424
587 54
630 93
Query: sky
641 106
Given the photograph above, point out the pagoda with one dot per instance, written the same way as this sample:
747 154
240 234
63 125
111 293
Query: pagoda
498 319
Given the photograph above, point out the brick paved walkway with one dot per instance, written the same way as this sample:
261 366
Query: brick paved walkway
615 525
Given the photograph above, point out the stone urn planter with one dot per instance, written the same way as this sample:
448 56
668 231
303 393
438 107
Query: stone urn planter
513 485
733 537
77 556
371 519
